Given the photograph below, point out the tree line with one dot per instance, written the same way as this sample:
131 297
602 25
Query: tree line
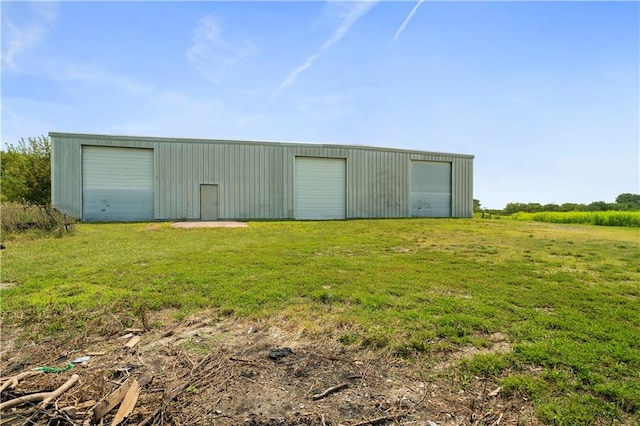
623 202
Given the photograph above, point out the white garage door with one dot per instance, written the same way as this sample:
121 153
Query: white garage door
320 188
430 189
117 184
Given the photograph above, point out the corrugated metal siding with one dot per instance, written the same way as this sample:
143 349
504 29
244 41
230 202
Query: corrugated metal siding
377 183
256 180
462 188
66 176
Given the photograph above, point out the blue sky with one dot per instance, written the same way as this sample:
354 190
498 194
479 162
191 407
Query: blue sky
544 94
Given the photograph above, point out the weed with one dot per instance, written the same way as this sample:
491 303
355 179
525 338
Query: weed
485 365
33 221
348 338
523 384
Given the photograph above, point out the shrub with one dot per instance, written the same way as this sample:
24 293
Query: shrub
34 220
26 171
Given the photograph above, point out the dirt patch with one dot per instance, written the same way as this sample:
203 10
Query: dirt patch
499 344
205 224
213 371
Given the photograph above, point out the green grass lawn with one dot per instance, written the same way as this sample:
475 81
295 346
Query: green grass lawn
567 296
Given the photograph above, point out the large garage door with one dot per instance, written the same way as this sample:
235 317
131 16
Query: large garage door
117 184
430 189
320 188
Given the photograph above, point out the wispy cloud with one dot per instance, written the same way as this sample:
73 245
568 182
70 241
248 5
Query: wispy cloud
407 19
90 77
328 107
212 54
348 15
24 26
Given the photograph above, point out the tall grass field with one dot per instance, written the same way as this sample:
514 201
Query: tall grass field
566 297
607 218
32 221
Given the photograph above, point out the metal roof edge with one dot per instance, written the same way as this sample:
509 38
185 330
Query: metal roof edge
250 142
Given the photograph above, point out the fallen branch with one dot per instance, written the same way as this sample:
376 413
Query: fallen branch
379 420
45 397
62 389
12 382
329 391
240 360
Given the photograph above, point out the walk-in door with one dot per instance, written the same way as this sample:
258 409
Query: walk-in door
208 202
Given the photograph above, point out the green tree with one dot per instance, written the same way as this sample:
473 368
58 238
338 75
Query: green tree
476 206
569 207
598 206
628 198
25 171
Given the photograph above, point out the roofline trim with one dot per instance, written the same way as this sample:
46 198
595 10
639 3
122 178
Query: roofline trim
249 142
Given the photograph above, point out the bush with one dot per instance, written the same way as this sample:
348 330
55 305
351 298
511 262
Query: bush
37 221
26 171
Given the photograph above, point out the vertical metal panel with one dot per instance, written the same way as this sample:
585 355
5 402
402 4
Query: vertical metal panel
462 176
377 184
66 178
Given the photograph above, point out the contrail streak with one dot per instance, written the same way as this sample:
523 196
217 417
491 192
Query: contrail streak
350 18
406 21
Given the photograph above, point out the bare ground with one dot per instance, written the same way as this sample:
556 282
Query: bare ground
209 224
218 371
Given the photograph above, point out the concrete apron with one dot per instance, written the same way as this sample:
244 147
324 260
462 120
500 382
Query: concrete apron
207 224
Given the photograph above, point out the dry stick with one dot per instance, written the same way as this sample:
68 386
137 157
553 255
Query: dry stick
200 364
248 361
45 397
178 390
11 382
329 391
379 420
62 389
193 364
172 395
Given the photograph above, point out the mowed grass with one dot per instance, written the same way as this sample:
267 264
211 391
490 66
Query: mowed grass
567 297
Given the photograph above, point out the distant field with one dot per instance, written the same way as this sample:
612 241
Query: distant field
608 218
566 297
